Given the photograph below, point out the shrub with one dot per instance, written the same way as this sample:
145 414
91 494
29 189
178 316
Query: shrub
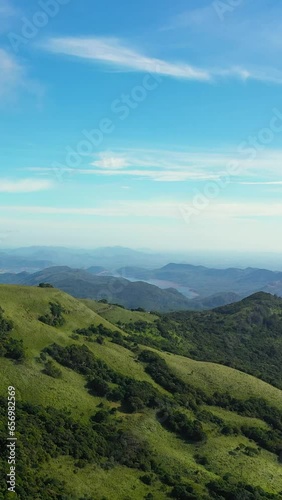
51 370
54 318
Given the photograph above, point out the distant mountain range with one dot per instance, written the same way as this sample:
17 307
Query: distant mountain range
174 287
83 284
13 263
102 273
205 282
111 258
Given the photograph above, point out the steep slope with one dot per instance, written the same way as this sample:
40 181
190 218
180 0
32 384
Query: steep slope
246 335
160 432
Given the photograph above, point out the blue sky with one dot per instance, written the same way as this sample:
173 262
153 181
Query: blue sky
143 124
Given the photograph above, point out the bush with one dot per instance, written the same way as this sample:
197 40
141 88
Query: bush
51 370
183 492
147 479
54 318
98 387
9 347
175 421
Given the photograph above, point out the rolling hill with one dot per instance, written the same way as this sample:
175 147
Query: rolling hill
246 335
101 416
83 284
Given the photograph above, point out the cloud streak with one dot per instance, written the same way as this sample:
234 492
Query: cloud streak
156 209
11 73
113 52
176 166
165 165
249 38
117 54
14 79
24 185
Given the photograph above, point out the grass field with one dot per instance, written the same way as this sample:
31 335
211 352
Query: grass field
213 377
224 454
114 313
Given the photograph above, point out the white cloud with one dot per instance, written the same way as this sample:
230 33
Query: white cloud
165 165
177 166
24 185
109 161
113 52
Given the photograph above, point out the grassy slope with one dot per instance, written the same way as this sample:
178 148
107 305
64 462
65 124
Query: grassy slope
114 313
24 305
245 335
213 377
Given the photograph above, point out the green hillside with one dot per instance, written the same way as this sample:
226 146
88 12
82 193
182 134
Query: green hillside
115 313
245 335
101 416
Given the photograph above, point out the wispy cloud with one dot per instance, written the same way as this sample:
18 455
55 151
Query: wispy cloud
165 165
244 210
177 166
117 54
113 52
224 210
110 161
248 39
24 185
14 79
118 209
11 73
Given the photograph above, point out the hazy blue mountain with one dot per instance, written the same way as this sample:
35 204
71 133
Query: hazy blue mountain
206 282
107 257
13 263
83 284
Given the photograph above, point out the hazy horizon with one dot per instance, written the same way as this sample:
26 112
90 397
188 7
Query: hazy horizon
217 259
